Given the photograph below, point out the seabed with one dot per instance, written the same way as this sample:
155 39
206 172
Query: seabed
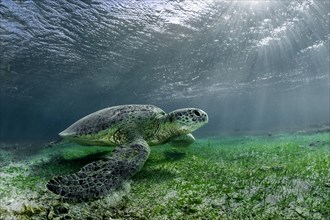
279 176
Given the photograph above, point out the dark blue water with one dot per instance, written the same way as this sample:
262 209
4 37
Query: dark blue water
254 66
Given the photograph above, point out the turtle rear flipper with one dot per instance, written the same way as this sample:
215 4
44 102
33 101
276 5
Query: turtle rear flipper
100 177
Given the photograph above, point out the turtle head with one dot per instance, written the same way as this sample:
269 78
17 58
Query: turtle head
188 120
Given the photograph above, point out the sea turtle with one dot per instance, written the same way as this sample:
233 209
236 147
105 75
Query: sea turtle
132 129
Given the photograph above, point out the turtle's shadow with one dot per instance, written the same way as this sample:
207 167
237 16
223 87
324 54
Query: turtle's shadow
58 165
157 175
173 155
153 175
168 156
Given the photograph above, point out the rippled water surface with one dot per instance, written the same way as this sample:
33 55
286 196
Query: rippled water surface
253 65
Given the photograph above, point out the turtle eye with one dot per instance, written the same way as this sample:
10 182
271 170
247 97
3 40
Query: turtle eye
197 113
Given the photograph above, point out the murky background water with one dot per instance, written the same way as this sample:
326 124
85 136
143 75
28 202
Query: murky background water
254 66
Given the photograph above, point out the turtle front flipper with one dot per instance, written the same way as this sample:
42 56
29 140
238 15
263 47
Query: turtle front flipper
100 177
182 140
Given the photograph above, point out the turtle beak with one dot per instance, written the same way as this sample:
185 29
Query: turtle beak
206 118
203 117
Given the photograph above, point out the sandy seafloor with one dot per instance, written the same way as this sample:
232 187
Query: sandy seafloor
282 176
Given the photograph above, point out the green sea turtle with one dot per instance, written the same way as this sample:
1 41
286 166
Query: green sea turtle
132 129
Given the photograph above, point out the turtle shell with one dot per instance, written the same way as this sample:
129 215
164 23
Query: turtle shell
108 121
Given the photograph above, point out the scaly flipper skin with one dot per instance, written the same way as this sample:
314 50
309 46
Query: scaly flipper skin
182 140
100 177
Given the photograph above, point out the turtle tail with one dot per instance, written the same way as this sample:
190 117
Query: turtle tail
100 177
